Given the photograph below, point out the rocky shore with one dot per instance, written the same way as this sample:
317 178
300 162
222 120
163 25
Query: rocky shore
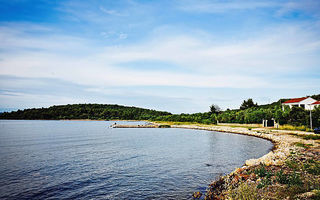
290 171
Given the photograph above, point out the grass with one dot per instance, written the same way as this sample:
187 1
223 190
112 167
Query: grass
261 171
306 146
241 125
294 179
164 126
245 191
294 128
281 177
179 123
311 137
317 195
307 137
312 167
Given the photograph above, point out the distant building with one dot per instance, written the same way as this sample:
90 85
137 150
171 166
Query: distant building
304 102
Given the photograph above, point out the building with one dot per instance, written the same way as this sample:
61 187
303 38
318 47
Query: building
315 104
304 102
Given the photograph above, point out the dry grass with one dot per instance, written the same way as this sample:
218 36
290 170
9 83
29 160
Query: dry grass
241 125
295 128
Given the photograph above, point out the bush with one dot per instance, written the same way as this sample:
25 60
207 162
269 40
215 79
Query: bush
261 171
281 177
245 191
312 167
294 179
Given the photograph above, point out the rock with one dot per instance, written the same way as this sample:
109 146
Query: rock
306 195
244 176
252 162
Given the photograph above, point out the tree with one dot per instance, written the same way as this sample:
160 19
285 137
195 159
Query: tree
215 109
248 104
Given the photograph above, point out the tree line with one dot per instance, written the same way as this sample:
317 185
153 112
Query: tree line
85 111
252 113
249 112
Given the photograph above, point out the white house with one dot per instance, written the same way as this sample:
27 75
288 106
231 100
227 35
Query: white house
315 104
304 102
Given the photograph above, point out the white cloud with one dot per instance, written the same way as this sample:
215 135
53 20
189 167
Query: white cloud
251 63
110 12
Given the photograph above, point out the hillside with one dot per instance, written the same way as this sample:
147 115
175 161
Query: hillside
85 111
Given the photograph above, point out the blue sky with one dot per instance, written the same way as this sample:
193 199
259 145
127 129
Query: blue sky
179 55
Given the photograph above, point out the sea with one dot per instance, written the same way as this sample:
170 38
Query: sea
50 159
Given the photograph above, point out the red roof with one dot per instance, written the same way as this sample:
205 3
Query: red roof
296 100
316 103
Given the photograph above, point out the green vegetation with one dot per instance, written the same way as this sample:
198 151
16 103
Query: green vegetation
299 144
294 128
85 111
214 109
295 117
245 191
164 126
249 113
248 104
261 171
281 177
298 178
203 118
307 137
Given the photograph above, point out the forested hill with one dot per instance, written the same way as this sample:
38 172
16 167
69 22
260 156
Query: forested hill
85 111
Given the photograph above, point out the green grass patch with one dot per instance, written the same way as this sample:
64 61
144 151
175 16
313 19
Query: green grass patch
261 171
245 191
281 177
311 137
312 167
306 146
292 164
307 137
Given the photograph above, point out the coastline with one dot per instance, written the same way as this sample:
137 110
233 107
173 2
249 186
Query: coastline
295 154
285 142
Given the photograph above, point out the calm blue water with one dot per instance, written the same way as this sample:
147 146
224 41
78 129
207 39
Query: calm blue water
88 160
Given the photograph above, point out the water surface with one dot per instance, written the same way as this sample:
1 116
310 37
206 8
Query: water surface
88 160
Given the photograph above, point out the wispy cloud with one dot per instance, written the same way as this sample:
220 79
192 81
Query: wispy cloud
215 64
225 6
111 12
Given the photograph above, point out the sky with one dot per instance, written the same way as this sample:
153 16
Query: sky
179 56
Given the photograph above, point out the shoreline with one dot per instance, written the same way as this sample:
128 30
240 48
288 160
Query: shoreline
284 143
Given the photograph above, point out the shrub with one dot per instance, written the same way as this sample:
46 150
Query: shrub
292 164
316 195
312 167
261 171
311 137
245 191
294 179
281 177
306 146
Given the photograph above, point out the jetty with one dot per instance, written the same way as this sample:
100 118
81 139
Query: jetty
134 126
